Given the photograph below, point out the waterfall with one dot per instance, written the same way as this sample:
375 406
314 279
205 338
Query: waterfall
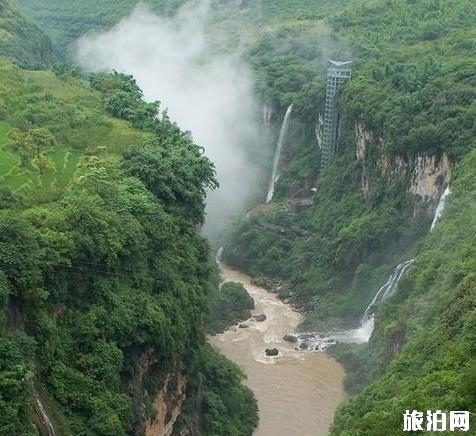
277 155
386 290
362 334
40 409
440 208
365 330
219 255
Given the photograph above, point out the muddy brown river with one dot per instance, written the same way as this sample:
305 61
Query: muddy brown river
297 391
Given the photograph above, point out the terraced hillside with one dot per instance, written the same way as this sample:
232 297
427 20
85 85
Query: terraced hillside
49 125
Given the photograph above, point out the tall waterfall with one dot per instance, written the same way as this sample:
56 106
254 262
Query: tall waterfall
277 154
365 330
440 208
267 113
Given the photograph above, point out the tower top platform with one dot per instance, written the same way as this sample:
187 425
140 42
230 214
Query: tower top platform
339 64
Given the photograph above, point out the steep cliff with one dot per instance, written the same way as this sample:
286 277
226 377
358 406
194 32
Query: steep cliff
167 406
104 275
405 121
428 174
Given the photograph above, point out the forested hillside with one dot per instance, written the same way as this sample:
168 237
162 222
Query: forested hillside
21 40
407 125
104 275
423 352
411 97
245 20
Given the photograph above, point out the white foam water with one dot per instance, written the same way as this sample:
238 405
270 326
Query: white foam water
440 208
277 154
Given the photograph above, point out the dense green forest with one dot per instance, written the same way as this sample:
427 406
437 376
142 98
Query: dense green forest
229 304
423 352
101 263
102 197
413 90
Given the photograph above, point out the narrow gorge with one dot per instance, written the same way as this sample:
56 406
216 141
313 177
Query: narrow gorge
236 218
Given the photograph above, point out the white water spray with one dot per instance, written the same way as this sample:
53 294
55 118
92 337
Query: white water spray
440 208
219 255
362 334
277 154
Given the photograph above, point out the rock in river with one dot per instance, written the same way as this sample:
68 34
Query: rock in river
272 351
260 318
290 338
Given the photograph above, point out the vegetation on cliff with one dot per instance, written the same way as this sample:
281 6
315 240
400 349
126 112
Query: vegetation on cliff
413 91
68 162
229 304
104 273
422 355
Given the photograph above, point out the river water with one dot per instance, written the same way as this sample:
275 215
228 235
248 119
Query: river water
297 391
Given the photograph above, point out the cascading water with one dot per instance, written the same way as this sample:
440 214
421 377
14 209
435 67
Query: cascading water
362 334
367 323
41 411
440 208
319 342
219 255
267 113
277 154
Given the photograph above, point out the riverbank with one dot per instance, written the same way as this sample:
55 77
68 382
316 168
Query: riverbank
297 391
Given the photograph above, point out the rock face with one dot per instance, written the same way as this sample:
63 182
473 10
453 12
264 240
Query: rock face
267 109
260 318
271 351
428 174
167 406
290 338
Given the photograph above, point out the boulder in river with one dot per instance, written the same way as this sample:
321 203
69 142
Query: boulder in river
271 351
260 318
290 338
303 345
243 326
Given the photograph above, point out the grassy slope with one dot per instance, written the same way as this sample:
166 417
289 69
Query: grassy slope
408 53
33 99
21 40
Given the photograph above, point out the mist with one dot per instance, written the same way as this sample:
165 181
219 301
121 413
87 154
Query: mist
207 93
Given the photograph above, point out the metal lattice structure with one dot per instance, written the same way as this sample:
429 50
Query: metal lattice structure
337 74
